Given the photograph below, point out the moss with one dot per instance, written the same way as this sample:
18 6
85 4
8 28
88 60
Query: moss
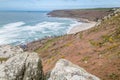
3 59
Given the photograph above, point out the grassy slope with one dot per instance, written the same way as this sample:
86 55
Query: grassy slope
97 49
94 9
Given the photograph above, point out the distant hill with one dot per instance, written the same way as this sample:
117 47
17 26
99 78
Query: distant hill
82 14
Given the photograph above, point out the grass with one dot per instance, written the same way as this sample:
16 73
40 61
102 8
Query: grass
67 44
48 44
96 43
113 46
86 58
113 76
81 35
95 9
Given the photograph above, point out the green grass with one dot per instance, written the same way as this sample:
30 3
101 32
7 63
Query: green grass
95 9
48 44
98 9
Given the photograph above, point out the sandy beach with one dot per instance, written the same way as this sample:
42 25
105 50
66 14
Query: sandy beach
81 27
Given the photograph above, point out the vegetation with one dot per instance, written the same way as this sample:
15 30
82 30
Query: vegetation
86 58
99 9
113 76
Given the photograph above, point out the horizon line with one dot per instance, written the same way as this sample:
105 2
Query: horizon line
52 9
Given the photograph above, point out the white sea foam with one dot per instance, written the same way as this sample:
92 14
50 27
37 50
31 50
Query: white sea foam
34 26
11 27
8 31
19 32
76 23
43 25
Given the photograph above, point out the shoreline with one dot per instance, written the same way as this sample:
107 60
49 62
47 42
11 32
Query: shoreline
82 24
81 27
89 18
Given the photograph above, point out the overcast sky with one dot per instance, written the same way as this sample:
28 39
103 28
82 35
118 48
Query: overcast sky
55 4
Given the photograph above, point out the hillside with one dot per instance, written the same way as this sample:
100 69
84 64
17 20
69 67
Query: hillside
82 14
97 49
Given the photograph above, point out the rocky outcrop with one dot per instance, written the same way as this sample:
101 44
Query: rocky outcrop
24 66
115 12
28 66
65 70
7 51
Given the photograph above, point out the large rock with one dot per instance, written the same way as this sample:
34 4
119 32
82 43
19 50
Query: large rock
65 70
7 51
24 66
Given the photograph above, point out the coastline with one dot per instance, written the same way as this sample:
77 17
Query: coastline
81 27
87 17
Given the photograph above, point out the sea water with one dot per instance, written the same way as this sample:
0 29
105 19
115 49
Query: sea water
23 27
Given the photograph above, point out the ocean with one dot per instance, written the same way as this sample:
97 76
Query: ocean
23 27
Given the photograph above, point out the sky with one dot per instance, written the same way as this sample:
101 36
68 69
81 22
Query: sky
36 5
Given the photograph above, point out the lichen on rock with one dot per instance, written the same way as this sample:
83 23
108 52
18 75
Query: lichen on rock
24 66
65 70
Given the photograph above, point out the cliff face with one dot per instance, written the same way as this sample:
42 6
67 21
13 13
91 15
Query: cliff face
96 49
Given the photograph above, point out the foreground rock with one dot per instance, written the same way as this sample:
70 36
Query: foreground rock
65 70
7 51
24 66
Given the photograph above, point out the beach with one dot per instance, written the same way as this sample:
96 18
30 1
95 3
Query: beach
87 18
81 27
